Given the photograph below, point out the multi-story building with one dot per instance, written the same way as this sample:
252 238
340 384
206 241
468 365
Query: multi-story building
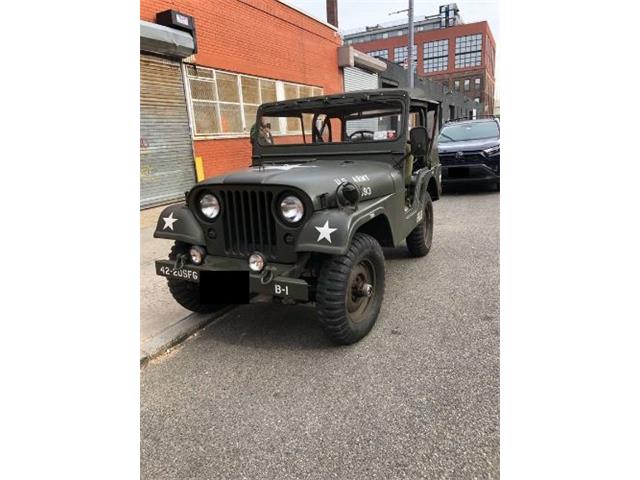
460 55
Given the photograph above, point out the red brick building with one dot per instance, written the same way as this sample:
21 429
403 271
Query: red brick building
460 55
247 52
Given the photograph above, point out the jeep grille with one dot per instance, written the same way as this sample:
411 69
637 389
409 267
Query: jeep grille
248 222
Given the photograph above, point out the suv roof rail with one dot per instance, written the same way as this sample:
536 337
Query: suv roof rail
478 117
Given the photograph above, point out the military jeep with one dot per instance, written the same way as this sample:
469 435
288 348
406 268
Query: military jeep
333 179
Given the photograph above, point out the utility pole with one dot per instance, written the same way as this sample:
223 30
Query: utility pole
410 47
410 43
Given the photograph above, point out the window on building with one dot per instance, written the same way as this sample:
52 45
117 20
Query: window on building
380 53
225 103
466 85
476 84
400 55
456 85
468 51
436 56
477 99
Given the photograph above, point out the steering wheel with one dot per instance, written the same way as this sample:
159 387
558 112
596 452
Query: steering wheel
362 134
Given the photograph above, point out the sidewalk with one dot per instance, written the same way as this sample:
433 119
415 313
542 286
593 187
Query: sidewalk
163 322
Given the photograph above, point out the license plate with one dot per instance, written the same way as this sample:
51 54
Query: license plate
181 273
458 172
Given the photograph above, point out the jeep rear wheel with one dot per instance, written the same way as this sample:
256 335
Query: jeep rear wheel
187 294
350 290
419 240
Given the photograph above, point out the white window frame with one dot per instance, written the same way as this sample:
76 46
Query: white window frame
279 84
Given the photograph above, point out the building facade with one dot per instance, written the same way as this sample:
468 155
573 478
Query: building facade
205 67
198 103
446 50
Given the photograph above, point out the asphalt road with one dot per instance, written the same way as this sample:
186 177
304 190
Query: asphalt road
262 394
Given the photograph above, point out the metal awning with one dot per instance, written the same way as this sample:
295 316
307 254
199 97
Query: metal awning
156 38
350 57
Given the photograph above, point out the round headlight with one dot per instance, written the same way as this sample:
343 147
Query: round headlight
209 206
292 209
256 262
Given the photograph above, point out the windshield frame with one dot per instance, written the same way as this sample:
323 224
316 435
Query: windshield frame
332 111
317 104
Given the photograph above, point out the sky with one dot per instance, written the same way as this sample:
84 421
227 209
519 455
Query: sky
359 13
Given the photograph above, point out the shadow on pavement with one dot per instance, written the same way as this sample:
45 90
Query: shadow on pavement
469 189
396 253
269 326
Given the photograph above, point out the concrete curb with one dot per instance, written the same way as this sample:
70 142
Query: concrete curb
177 333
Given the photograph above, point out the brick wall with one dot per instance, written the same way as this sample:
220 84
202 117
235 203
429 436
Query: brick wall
258 37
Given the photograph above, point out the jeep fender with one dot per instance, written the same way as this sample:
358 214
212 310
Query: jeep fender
422 185
330 231
176 222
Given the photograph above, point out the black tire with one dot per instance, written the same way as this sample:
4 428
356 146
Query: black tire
498 186
346 315
420 238
187 294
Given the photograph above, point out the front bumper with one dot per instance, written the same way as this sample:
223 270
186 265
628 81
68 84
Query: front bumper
273 281
479 173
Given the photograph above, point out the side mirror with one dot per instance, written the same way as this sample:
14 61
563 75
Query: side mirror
418 139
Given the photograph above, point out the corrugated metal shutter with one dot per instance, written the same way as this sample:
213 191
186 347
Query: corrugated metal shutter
166 153
358 79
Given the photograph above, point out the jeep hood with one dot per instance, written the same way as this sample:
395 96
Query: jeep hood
316 177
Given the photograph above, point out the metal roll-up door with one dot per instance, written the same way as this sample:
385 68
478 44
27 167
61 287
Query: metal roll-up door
166 153
358 79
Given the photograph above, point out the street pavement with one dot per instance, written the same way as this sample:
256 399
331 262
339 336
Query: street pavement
262 394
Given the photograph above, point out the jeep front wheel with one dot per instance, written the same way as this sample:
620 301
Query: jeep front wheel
187 294
419 240
350 290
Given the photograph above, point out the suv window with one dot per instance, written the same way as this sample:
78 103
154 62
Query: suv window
468 131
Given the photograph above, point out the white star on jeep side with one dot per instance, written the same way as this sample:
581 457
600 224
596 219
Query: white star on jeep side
169 221
325 232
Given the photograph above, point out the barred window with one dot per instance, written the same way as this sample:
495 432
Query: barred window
400 55
436 56
468 51
380 53
477 83
225 103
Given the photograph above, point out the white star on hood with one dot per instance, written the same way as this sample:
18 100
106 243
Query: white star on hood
325 231
169 221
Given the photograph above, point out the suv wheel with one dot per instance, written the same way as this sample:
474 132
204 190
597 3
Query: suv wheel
187 294
419 240
350 290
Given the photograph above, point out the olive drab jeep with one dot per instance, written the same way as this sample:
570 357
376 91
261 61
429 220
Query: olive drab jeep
332 180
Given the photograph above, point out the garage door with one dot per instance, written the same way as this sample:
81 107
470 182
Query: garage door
358 79
166 154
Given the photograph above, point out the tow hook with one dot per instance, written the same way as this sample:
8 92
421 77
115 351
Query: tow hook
181 260
267 276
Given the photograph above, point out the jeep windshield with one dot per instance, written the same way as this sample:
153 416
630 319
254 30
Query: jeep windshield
361 122
468 131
